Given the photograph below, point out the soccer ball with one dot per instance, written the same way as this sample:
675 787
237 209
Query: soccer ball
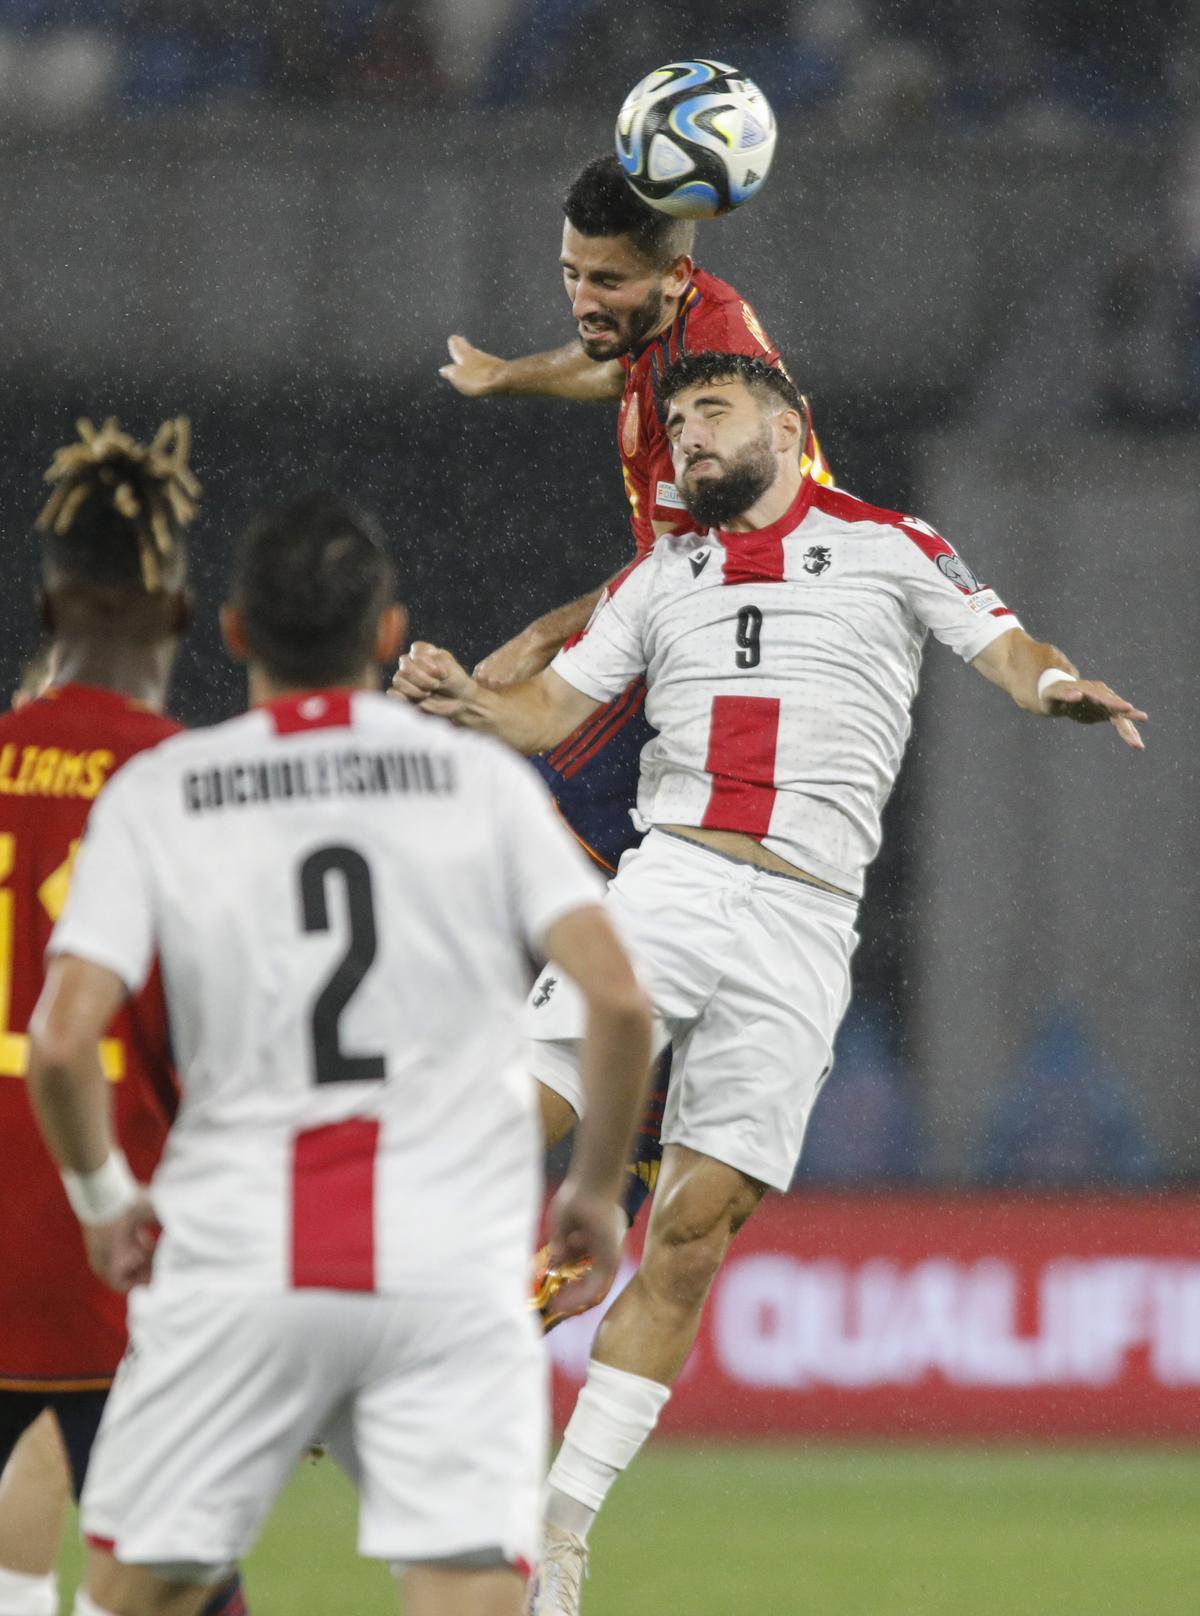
695 139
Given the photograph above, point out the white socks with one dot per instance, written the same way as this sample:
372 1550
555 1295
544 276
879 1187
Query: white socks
614 1415
23 1595
84 1606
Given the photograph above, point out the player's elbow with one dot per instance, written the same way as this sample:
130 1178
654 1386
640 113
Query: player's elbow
59 1048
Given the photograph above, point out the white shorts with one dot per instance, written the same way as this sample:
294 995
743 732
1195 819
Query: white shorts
749 973
435 1406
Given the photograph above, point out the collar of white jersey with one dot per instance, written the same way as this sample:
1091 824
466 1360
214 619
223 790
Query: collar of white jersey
783 525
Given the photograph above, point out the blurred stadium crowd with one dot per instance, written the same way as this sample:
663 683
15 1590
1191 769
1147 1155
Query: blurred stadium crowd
1050 67
1065 1120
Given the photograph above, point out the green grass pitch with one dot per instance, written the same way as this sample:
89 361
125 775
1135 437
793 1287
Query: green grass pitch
839 1531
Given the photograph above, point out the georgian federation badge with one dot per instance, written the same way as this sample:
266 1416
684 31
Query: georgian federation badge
817 558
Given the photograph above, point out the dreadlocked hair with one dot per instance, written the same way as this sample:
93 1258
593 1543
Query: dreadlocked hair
700 369
120 508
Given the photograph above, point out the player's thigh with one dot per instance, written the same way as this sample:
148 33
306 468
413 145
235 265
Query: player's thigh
747 1073
35 1489
450 1435
558 1114
217 1398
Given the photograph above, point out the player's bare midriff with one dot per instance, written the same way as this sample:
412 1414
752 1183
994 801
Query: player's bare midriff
735 844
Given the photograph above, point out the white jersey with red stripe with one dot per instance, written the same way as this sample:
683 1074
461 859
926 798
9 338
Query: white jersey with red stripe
344 895
781 668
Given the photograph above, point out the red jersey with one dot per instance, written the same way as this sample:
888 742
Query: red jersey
60 1328
712 318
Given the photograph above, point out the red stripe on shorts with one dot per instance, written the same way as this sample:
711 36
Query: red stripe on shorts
741 759
333 1206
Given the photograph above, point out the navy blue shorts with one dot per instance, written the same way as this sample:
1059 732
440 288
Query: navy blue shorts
78 1416
593 775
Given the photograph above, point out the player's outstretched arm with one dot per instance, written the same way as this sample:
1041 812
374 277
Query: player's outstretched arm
535 647
565 372
1042 680
615 1068
530 716
69 1095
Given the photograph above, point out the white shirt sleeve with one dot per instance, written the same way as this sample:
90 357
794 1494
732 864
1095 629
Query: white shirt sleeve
945 594
610 653
109 913
549 875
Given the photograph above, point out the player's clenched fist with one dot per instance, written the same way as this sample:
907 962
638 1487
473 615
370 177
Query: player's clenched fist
122 1250
433 679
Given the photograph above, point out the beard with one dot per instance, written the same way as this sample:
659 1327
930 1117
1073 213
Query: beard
625 335
714 501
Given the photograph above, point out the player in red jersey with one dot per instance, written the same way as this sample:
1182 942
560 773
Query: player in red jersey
115 603
640 302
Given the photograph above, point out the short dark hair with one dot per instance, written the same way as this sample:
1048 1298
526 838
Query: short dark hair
601 202
696 369
120 508
311 578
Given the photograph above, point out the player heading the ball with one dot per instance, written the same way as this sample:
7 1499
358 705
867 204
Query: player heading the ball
781 643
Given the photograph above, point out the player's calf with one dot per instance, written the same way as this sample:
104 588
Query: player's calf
115 1589
433 1590
646 1336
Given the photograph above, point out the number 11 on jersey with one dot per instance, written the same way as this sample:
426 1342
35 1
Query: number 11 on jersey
52 895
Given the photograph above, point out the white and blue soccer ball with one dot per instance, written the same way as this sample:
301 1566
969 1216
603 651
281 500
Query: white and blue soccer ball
696 139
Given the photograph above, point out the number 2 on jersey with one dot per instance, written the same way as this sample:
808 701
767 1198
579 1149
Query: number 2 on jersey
331 1064
749 627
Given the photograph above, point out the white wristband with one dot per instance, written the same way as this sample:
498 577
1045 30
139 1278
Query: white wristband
1054 676
101 1196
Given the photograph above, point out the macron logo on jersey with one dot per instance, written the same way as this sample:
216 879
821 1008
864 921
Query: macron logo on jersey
698 560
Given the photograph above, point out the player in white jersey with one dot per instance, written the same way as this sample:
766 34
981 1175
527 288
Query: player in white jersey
781 649
343 897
